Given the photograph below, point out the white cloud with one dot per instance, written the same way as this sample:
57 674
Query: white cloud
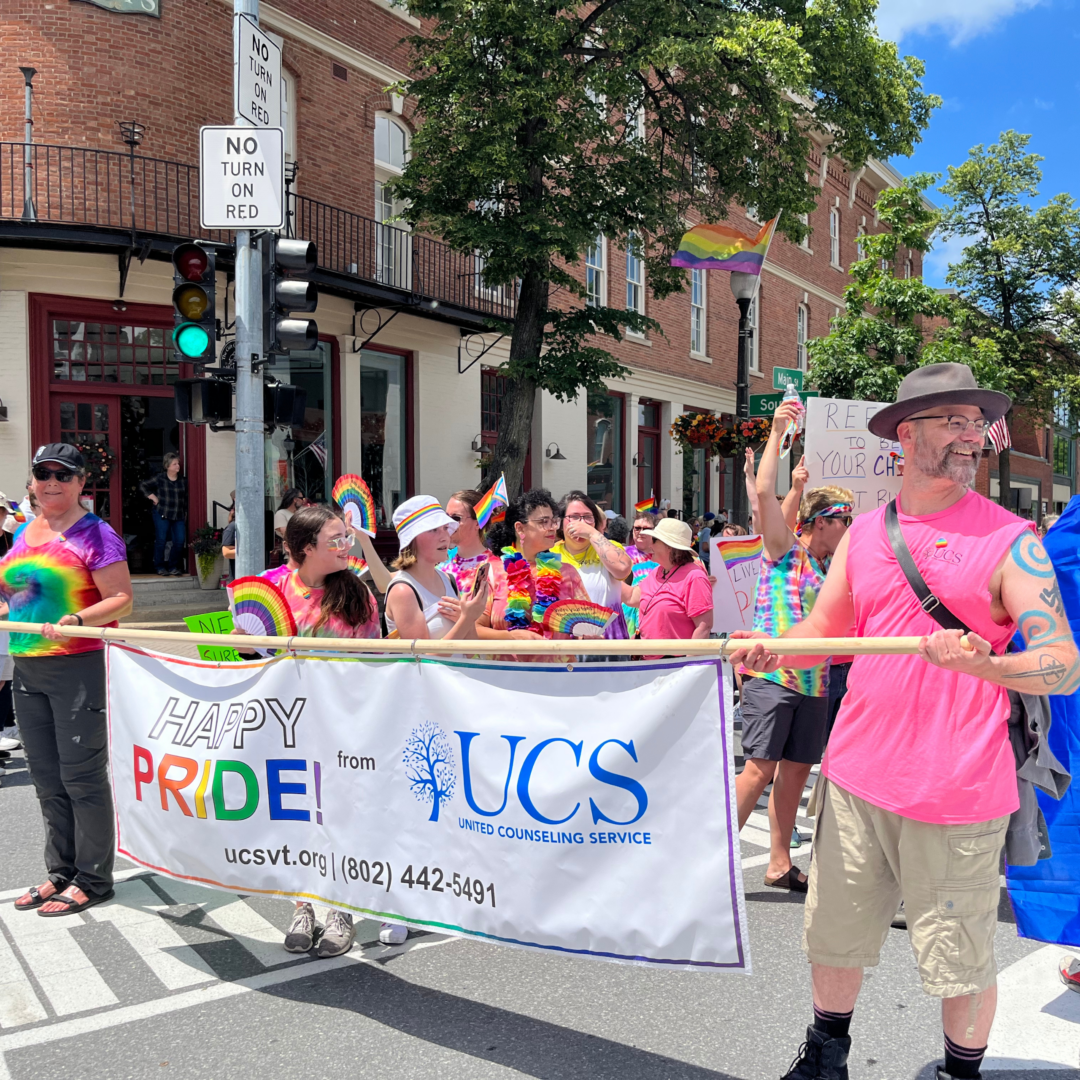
960 19
936 261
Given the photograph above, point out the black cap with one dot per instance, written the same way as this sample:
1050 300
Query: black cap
62 454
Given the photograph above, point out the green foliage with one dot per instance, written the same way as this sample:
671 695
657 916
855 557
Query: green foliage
530 147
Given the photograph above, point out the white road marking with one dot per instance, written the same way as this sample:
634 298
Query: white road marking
136 916
1038 1018
65 973
120 875
18 1002
752 835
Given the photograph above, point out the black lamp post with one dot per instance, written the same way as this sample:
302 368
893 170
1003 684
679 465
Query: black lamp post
744 286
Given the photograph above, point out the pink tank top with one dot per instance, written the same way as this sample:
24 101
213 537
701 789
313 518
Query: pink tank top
912 738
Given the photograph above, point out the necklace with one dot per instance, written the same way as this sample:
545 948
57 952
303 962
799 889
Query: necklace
525 606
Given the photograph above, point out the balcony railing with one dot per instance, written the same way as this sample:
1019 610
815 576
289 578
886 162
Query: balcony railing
83 188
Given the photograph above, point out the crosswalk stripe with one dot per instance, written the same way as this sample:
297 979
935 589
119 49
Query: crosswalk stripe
18 1002
65 973
136 916
759 837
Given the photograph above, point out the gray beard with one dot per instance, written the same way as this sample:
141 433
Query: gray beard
944 465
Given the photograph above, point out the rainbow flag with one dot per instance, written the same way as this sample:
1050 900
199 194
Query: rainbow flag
496 496
739 549
722 247
646 506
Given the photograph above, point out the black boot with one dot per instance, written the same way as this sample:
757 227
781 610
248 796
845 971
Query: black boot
820 1058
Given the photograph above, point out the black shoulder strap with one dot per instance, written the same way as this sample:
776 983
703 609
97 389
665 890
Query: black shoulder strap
927 600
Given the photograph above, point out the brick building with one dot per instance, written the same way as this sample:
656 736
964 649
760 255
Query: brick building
396 389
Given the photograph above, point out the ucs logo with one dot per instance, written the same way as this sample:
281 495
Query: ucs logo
430 767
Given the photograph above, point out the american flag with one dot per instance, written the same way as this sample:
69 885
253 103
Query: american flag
999 435
318 448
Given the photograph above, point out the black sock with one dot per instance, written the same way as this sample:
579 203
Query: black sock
834 1024
962 1062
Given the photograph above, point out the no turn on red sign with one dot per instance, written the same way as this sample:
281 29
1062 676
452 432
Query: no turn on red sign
241 178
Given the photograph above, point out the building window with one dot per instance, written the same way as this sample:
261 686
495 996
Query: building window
697 312
288 113
635 124
596 273
907 267
492 388
802 328
393 244
804 243
834 237
753 356
648 450
635 275
109 353
384 448
604 445
1063 455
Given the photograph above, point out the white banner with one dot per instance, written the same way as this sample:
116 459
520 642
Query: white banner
841 451
588 811
735 562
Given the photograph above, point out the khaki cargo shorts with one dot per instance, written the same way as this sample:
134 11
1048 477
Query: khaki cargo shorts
866 859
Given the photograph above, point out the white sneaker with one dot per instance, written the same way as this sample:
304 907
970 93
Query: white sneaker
9 744
337 936
393 933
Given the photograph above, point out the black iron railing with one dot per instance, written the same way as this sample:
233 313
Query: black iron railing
79 187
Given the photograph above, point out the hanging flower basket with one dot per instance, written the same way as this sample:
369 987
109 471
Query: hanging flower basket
696 431
100 460
740 434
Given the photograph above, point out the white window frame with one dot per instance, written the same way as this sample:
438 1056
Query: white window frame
391 269
635 286
288 113
698 313
834 237
802 332
596 272
753 353
495 293
907 268
635 125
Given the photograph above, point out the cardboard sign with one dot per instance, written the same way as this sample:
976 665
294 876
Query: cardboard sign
215 622
735 562
841 452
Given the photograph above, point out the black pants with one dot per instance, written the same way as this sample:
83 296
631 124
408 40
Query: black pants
60 708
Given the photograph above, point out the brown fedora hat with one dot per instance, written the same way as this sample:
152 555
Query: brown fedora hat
933 385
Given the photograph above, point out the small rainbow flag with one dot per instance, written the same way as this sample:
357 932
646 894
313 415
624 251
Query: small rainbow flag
722 247
646 506
740 550
496 496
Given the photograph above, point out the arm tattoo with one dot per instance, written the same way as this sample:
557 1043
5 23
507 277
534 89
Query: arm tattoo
1051 597
605 548
1036 626
1051 671
1031 556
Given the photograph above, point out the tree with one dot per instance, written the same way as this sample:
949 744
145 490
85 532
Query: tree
547 125
891 325
429 765
1018 276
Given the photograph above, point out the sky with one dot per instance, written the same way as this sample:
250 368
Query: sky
997 64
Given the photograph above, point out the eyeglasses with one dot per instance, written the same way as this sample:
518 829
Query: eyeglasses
340 543
544 523
641 528
62 476
958 425
580 517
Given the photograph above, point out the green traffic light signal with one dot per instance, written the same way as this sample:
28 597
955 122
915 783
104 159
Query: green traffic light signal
191 340
194 316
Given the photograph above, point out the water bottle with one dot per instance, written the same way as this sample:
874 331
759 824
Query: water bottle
792 431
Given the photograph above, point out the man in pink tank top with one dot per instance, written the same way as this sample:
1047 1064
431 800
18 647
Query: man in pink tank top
919 775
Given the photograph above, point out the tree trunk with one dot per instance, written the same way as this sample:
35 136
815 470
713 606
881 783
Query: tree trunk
516 407
1005 479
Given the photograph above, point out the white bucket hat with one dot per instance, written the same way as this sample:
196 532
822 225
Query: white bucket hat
674 533
417 515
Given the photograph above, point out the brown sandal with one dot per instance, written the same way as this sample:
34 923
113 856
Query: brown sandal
790 881
36 899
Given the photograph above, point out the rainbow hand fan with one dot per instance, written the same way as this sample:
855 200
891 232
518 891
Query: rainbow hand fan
259 607
358 566
354 497
577 617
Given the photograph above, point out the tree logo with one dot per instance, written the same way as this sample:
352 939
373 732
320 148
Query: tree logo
429 765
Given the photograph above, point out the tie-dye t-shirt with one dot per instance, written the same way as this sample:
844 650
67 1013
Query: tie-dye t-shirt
463 570
786 593
305 605
47 582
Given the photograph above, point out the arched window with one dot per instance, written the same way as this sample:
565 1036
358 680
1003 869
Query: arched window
393 244
907 267
802 331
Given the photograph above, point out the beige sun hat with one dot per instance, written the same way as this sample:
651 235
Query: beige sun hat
676 534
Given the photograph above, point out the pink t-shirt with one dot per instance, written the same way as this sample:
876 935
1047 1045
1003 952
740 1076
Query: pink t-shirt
669 604
923 742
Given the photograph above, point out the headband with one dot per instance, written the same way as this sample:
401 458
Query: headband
834 510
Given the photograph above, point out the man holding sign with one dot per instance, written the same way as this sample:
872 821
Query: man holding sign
921 776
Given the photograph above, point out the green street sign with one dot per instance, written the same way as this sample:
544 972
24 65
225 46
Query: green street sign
781 376
767 404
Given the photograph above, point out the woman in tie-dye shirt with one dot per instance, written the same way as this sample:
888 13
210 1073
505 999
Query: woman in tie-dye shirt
785 712
66 568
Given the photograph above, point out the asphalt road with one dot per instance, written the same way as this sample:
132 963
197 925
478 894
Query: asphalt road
174 980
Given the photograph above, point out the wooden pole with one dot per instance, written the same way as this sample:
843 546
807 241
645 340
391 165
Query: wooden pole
540 648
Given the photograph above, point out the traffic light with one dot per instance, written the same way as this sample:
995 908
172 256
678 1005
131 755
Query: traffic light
194 315
284 405
285 291
202 401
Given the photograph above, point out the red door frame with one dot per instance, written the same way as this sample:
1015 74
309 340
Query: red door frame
44 307
649 432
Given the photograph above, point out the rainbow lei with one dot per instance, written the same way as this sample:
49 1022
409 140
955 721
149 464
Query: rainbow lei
530 593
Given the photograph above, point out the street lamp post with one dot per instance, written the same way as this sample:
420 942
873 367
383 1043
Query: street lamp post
744 286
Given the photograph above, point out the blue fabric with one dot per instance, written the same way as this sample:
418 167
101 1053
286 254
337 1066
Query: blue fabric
1046 897
165 530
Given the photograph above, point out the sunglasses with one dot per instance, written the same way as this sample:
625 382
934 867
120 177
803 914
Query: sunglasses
63 476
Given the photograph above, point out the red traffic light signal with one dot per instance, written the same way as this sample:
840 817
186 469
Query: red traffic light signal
191 262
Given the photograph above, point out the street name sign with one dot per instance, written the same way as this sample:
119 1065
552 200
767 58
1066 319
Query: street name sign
767 404
257 73
241 178
781 376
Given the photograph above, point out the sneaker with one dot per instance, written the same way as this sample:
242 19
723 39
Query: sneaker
820 1058
796 839
9 744
175 573
1069 972
393 933
161 572
899 921
943 1075
301 933
337 936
